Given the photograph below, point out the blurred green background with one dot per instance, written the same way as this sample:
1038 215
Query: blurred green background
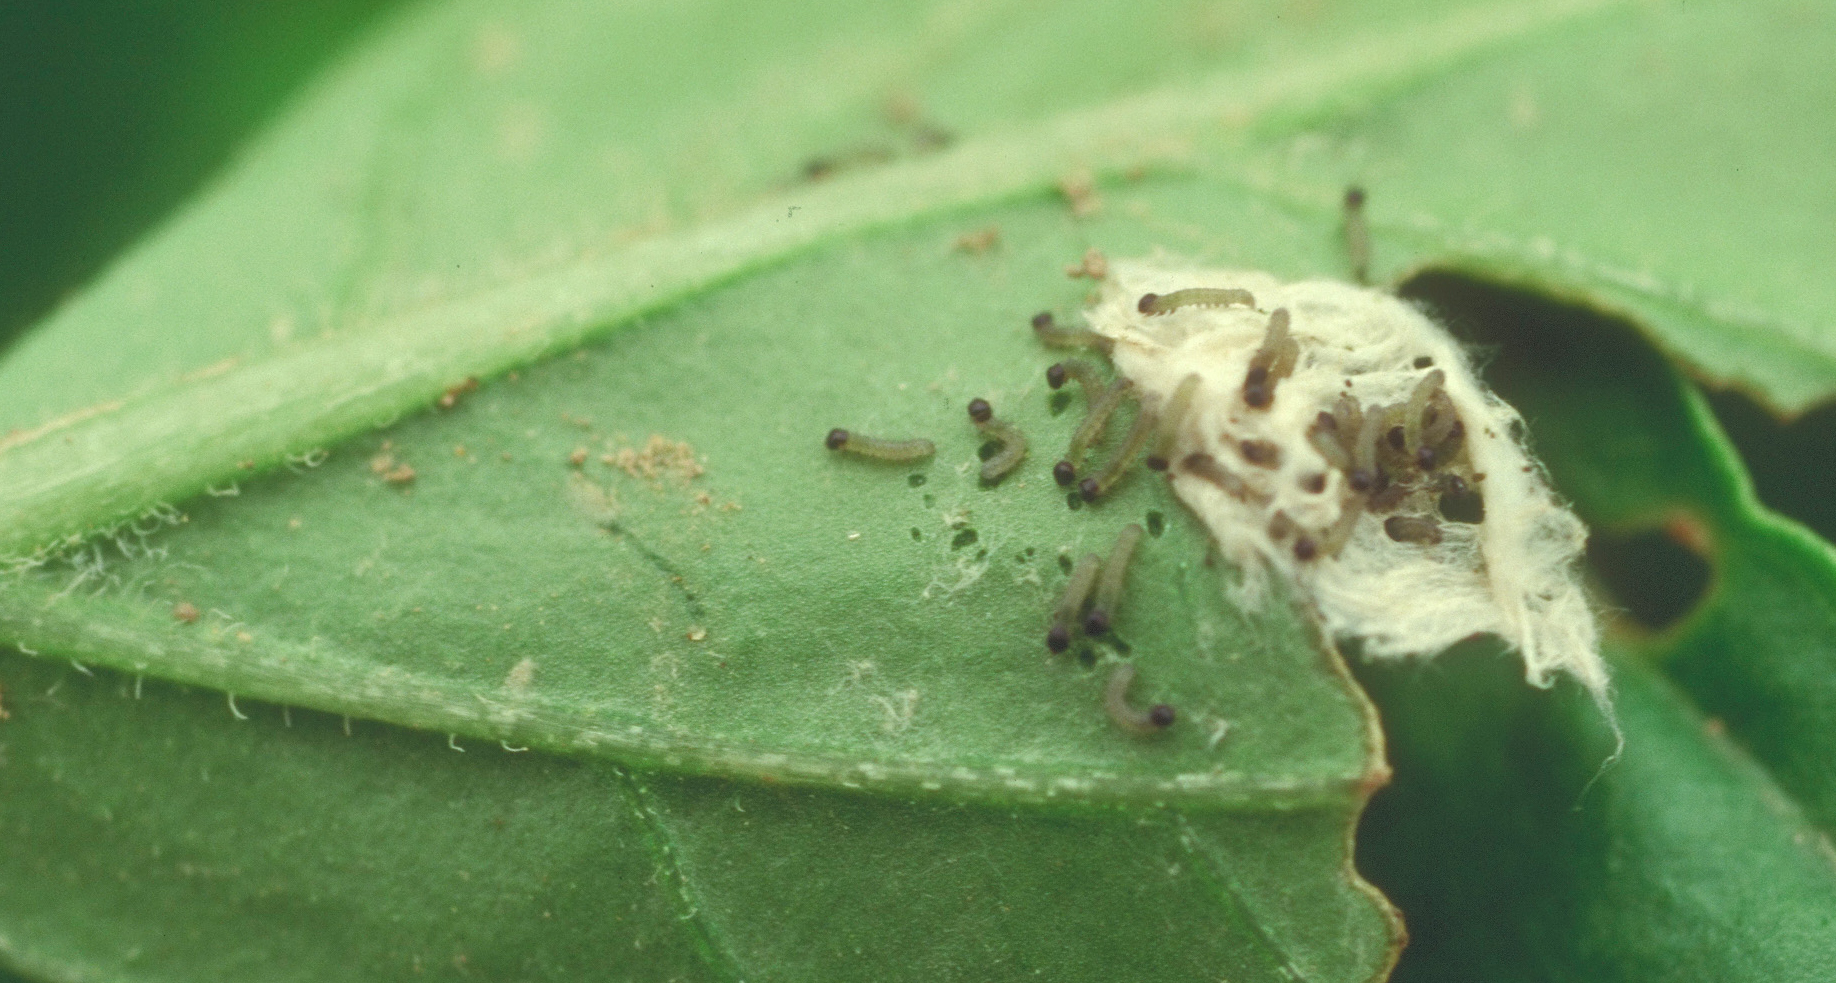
112 112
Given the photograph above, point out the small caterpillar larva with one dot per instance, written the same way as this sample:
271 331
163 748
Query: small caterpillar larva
1086 375
1095 487
1048 331
1280 525
1348 414
1201 465
1340 532
1096 420
1442 422
1273 362
1152 304
1153 720
1357 236
1412 529
1261 453
1389 498
1077 590
1013 442
1421 408
1364 475
874 447
1115 575
1442 432
1326 438
1171 417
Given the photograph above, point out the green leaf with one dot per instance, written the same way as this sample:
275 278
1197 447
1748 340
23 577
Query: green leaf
1704 849
115 112
400 314
151 834
810 591
1665 162
789 616
1520 852
1758 650
790 717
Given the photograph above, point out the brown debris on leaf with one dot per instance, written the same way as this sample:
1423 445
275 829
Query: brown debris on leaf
450 397
979 241
1095 265
395 472
186 612
1079 189
660 458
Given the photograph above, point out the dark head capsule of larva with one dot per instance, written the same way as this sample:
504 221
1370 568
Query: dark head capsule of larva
1256 389
836 440
980 411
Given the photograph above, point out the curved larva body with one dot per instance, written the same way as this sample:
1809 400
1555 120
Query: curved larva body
1512 575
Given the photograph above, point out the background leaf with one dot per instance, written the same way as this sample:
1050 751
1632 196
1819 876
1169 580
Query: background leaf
1661 161
1705 849
113 113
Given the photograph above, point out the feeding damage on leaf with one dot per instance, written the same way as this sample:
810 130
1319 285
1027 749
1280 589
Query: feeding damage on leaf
1326 434
1339 439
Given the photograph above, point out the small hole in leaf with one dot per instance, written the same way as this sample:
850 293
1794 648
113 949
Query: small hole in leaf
1156 523
1467 507
1059 402
1074 501
988 449
1122 648
965 538
1656 579
1065 564
930 501
917 537
1086 657
1787 460
916 480
981 554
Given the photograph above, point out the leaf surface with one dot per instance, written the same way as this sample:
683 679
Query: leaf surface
792 687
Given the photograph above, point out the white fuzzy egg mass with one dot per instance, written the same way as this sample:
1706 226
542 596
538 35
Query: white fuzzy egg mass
1365 463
